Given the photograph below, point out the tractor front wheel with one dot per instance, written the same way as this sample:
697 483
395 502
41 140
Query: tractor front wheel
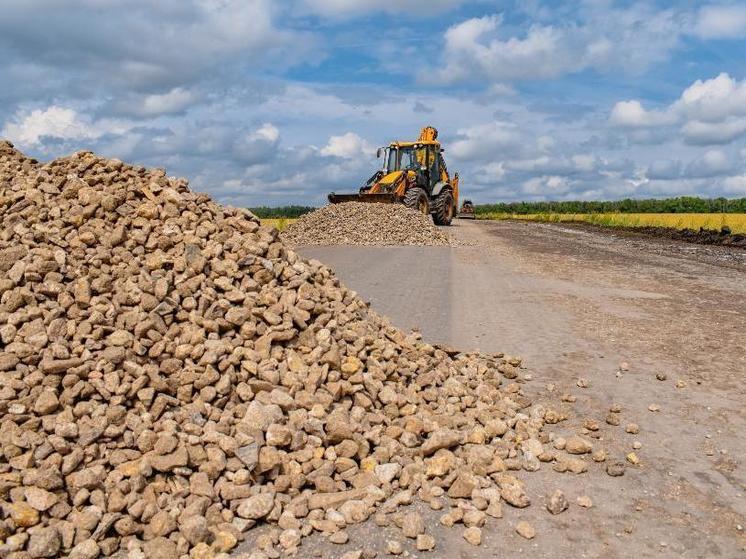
416 198
443 208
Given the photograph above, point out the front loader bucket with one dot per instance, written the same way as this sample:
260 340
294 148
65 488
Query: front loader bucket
380 198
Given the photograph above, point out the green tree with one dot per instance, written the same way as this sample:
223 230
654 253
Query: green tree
682 204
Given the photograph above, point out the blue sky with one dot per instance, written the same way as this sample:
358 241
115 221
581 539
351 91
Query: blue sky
278 102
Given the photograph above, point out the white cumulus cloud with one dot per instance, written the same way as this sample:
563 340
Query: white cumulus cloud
484 140
713 100
29 128
173 101
267 132
550 186
347 146
584 161
706 133
721 22
258 146
709 111
664 169
633 115
597 37
472 47
735 185
713 163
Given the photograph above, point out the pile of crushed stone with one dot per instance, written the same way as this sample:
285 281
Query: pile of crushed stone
364 224
172 375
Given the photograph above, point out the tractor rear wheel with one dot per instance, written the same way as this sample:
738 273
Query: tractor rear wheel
416 198
443 208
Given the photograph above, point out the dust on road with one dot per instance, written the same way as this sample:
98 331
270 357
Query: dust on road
576 304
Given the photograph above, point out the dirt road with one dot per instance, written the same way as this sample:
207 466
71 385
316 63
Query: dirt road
576 304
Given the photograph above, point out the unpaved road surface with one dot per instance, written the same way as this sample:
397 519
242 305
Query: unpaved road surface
576 304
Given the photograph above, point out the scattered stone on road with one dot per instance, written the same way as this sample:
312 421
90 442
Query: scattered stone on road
425 542
394 547
473 535
412 525
525 530
339 538
515 495
584 501
578 445
632 428
557 502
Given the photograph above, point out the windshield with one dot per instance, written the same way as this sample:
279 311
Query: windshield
401 159
392 164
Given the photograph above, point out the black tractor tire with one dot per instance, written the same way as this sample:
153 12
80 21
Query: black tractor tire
417 199
443 208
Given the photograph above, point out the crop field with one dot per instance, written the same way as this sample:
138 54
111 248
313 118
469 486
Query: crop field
715 221
280 222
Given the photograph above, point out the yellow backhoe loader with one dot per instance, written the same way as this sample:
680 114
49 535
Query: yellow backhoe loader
413 174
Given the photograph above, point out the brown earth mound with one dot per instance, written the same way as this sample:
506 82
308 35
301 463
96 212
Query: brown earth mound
723 237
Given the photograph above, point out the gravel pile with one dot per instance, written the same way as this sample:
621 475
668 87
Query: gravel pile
172 375
366 224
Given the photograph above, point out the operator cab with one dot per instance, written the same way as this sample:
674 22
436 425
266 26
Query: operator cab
420 158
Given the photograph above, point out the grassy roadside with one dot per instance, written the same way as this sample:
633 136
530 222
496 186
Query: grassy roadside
716 221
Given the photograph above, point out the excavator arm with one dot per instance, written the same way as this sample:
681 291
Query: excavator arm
428 134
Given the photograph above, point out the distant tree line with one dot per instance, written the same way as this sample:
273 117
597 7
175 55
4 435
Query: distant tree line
683 204
280 211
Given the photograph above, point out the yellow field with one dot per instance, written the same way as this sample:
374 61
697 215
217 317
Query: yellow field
736 222
280 223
